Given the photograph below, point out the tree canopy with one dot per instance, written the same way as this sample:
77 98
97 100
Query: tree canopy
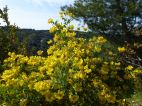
116 18
8 37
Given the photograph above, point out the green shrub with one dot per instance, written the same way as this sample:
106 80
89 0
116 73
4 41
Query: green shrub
77 71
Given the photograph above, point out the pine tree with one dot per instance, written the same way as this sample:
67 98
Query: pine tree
114 18
9 41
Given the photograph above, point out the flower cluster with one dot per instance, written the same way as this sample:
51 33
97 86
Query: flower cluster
77 71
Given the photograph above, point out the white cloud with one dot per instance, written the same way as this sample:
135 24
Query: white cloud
50 2
33 13
31 19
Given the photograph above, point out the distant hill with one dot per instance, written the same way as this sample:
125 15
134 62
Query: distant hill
37 39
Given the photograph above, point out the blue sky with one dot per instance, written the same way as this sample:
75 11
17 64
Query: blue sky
33 13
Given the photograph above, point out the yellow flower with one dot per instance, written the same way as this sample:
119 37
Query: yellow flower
112 62
12 82
59 95
77 87
101 40
97 60
21 82
70 81
78 75
73 98
8 74
121 49
50 20
53 29
128 76
39 52
104 69
23 102
96 83
61 14
138 71
56 38
80 62
49 96
129 67
110 98
42 85
70 14
110 53
31 85
87 70
71 34
9 53
49 42
49 72
118 64
97 49
65 30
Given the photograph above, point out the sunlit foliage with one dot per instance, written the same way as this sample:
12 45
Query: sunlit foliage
77 71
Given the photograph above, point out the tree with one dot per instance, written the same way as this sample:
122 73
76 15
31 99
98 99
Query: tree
114 18
9 41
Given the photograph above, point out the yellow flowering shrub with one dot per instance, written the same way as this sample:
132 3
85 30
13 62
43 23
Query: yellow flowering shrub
77 71
39 52
50 21
121 49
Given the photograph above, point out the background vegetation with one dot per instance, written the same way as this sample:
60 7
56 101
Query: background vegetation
101 65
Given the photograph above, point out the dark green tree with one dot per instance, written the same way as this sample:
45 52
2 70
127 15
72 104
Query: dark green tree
113 18
9 41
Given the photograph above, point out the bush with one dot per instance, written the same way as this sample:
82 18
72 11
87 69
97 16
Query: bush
77 71
9 40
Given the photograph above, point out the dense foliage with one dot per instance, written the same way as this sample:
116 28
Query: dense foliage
35 40
8 37
115 18
118 20
77 71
